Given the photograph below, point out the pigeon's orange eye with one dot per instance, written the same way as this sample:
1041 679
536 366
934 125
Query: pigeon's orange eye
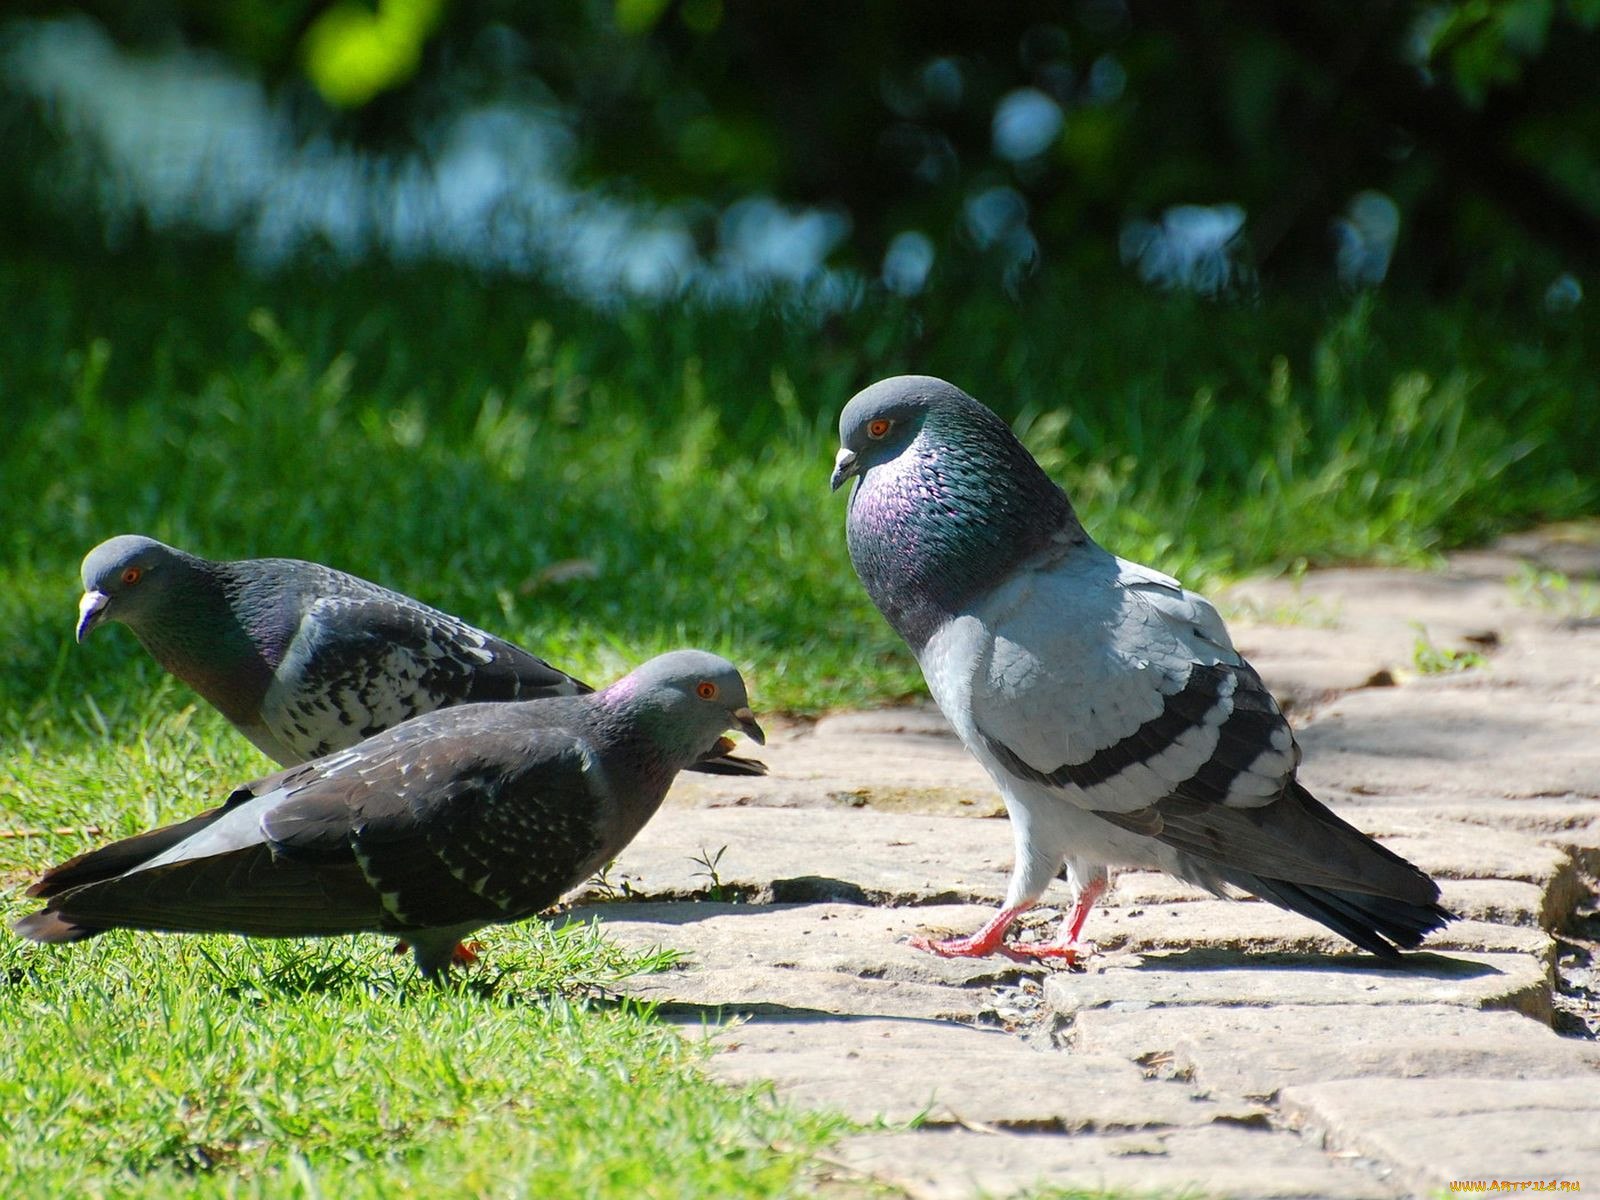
131 576
876 429
706 690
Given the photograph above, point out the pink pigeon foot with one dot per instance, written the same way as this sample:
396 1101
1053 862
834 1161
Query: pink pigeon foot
986 941
1072 945
991 938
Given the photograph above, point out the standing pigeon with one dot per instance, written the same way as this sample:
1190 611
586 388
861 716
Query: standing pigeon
1107 701
470 816
305 660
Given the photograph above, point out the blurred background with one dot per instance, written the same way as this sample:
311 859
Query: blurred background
647 147
534 309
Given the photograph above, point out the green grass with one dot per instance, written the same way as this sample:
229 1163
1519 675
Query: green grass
143 1065
600 487
1430 658
201 1066
458 438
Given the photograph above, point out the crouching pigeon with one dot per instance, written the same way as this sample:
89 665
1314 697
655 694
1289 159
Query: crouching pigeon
469 816
305 660
1106 700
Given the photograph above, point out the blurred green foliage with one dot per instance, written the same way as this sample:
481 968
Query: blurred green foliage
1480 119
352 53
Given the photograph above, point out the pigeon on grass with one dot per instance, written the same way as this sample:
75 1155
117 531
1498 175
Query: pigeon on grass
1105 699
305 660
475 815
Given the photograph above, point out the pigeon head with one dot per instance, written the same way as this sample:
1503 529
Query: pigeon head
880 422
683 701
129 579
946 502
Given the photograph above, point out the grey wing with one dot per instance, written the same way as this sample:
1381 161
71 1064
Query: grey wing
1118 686
1141 712
361 663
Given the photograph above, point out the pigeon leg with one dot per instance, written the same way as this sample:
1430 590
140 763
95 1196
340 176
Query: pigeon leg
1068 947
464 955
985 941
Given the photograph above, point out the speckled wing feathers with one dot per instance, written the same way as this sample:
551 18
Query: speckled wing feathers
442 840
360 664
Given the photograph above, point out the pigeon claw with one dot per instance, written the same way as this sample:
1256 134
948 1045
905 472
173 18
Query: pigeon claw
965 947
1068 953
991 939
986 941
1026 952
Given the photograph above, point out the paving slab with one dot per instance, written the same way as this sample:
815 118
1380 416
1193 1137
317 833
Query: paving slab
1210 1048
1501 902
777 854
854 959
1472 1129
1257 1052
905 759
1253 925
1217 1161
1219 977
895 1071
846 959
1304 667
1549 658
1439 740
1391 607
1338 630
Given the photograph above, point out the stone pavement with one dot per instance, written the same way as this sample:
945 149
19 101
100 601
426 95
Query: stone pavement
1210 1048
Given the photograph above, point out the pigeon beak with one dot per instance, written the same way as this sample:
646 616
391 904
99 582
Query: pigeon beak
747 722
90 609
844 467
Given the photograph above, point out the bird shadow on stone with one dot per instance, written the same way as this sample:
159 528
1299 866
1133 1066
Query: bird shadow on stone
814 889
1425 963
658 911
685 1012
683 910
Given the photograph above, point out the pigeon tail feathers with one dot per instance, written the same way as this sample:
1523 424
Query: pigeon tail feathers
1381 925
51 927
108 862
